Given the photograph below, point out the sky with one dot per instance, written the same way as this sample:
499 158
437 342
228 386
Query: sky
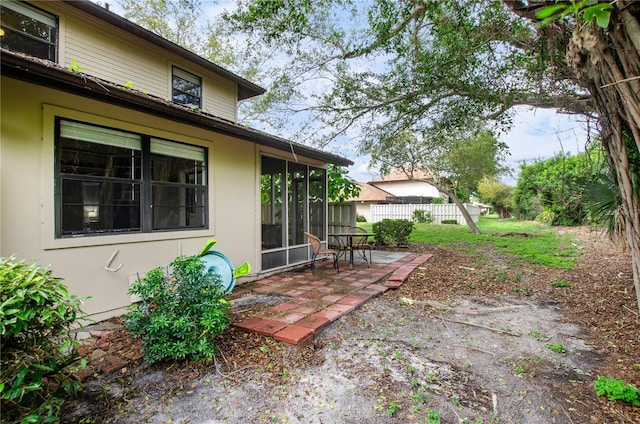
535 134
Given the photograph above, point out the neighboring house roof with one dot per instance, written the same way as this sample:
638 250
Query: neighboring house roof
49 74
400 175
369 193
246 89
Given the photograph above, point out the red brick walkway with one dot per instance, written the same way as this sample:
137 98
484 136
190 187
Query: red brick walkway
316 300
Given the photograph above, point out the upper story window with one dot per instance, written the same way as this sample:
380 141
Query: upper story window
186 88
110 181
29 30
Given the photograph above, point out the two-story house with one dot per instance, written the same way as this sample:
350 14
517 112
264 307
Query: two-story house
121 150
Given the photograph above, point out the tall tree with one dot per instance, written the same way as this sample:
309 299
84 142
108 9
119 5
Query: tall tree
180 21
497 194
455 162
385 67
602 44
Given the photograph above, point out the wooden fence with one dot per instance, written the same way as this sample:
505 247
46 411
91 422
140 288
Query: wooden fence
439 212
340 216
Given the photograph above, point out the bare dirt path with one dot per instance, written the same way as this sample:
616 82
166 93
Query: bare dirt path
470 337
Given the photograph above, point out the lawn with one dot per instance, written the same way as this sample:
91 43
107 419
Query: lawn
527 240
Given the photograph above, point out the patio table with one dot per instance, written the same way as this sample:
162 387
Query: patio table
349 236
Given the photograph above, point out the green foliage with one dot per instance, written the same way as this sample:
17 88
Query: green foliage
393 231
557 190
615 389
556 347
39 353
589 9
497 194
433 417
393 408
437 201
174 20
75 68
449 221
560 283
422 216
360 218
340 187
181 312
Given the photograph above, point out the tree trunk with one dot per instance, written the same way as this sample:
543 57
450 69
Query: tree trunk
608 64
465 213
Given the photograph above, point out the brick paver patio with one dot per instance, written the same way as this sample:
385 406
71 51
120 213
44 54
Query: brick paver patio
311 301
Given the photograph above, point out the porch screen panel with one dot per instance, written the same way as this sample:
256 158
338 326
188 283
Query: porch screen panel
272 191
297 196
317 201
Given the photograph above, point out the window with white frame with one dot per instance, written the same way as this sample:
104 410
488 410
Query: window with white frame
186 88
111 181
28 29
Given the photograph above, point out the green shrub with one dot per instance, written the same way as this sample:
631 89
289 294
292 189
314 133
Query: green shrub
393 231
449 221
180 313
437 201
422 216
615 389
360 218
39 353
546 216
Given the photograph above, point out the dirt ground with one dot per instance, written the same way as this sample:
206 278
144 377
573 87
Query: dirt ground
470 337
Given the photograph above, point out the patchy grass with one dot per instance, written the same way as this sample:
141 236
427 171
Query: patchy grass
533 242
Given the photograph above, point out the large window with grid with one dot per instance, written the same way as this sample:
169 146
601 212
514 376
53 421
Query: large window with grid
112 181
29 30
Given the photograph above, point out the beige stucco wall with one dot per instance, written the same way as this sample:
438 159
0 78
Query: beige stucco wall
114 55
27 215
364 209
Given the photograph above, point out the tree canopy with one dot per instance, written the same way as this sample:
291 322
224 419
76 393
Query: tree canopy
386 67
369 70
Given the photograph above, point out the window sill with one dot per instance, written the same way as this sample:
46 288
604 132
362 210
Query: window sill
115 239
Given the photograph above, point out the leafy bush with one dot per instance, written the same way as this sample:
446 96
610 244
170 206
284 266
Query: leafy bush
360 218
615 389
449 221
422 216
546 216
437 201
39 353
393 231
180 313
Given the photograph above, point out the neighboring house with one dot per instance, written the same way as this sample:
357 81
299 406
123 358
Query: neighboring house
405 189
369 195
395 187
121 150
